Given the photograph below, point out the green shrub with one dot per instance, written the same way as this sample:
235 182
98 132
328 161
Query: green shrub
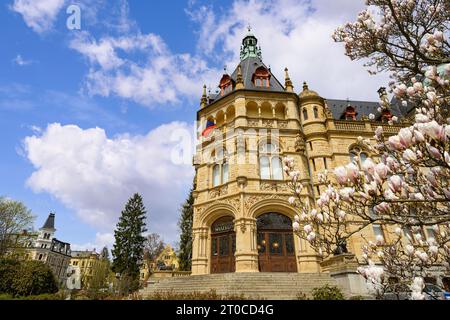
5 296
8 272
302 296
209 295
45 296
356 298
327 293
36 278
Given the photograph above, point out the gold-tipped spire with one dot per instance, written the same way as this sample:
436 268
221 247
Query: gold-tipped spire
239 79
305 86
204 100
287 81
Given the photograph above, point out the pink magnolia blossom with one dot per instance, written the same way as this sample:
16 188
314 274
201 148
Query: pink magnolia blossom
352 171
409 155
405 135
382 170
311 236
434 152
368 166
341 175
394 143
395 183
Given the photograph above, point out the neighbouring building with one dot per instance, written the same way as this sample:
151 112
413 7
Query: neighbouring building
167 260
43 246
242 218
81 268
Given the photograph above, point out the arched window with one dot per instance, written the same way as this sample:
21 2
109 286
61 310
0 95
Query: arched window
316 112
220 170
305 114
264 167
277 171
216 175
358 156
225 172
270 164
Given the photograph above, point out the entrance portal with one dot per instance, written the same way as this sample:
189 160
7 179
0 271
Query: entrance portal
223 246
275 243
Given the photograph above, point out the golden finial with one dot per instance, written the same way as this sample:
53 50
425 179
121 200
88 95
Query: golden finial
305 86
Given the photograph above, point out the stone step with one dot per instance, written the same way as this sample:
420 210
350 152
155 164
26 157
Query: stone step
278 286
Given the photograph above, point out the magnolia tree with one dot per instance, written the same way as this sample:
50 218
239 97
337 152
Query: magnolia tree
406 184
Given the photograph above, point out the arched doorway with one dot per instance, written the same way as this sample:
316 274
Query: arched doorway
275 243
223 245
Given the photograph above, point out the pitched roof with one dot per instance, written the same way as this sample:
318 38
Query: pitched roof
248 67
50 222
364 108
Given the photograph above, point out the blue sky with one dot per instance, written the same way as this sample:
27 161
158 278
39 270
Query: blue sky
86 115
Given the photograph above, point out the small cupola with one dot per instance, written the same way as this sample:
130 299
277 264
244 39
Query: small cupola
250 46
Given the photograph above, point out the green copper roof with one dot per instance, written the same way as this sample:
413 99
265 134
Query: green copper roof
250 47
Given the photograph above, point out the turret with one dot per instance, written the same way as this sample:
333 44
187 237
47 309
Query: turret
46 233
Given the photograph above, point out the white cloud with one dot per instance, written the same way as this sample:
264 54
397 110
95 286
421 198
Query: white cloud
21 61
95 175
141 68
101 240
294 34
39 15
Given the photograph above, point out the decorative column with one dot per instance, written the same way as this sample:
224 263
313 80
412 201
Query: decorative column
245 227
199 251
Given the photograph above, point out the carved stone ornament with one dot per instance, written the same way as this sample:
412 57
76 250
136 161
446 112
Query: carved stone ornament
268 123
253 123
299 143
282 124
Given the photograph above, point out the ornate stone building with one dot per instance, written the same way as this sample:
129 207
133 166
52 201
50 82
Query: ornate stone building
242 218
43 246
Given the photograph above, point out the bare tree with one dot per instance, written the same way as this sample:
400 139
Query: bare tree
153 247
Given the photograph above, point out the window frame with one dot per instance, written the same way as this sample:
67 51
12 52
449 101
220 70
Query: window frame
271 153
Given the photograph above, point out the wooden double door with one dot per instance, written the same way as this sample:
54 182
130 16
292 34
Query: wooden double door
275 242
223 247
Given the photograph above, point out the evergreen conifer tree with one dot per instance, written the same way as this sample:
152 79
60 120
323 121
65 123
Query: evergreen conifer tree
129 243
185 224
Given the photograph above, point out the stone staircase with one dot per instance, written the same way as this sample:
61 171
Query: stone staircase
266 286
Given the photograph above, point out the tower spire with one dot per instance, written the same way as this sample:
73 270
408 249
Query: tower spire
203 100
287 81
239 80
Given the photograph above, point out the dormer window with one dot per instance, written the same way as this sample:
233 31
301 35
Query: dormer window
261 77
349 113
386 115
226 85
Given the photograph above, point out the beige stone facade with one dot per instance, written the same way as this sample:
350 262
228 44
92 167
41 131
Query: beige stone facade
256 124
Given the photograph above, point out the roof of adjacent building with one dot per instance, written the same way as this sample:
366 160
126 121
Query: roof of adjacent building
365 108
83 254
50 222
